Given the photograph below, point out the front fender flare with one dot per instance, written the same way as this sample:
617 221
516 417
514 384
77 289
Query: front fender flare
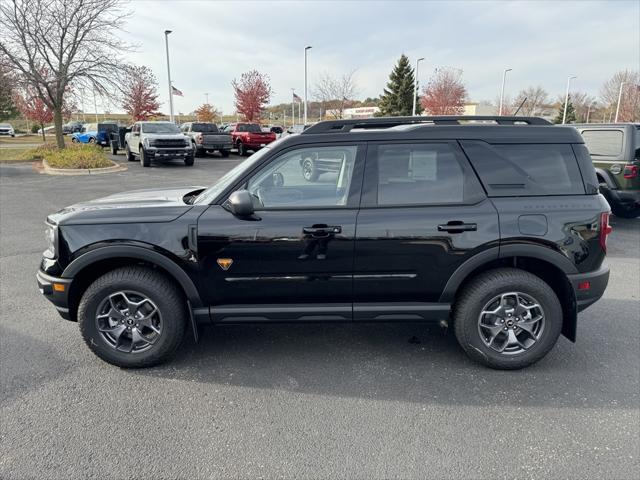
140 253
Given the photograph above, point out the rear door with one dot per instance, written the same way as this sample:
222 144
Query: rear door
423 213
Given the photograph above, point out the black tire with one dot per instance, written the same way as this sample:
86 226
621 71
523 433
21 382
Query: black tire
114 149
224 153
74 140
155 286
130 156
198 152
241 150
92 140
622 212
144 159
188 160
482 289
309 170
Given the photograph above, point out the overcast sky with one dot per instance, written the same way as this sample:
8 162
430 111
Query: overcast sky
543 41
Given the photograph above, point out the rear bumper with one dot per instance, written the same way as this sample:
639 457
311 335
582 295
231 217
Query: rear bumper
58 296
214 146
597 284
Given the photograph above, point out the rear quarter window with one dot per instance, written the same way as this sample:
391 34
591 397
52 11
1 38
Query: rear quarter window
509 170
604 143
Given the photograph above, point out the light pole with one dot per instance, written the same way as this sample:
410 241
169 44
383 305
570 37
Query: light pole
293 107
415 90
566 98
504 79
306 49
166 43
95 106
619 100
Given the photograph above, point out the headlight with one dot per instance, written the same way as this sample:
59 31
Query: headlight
51 237
145 142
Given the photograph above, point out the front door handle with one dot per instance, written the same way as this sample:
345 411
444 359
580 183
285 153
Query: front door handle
457 226
322 230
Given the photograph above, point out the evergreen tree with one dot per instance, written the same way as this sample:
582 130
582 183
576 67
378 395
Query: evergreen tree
397 99
8 108
571 113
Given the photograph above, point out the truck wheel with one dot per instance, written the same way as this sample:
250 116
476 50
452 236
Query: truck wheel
309 170
621 212
133 317
507 318
224 153
127 151
197 152
241 150
144 160
114 148
188 160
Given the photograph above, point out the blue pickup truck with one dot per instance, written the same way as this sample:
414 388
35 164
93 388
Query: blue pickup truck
96 133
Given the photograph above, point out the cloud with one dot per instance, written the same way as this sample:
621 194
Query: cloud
214 42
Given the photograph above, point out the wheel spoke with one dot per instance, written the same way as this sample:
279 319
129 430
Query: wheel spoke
494 331
513 340
115 332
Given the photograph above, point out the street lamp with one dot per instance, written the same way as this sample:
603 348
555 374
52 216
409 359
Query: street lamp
566 98
504 79
166 43
305 83
619 100
415 92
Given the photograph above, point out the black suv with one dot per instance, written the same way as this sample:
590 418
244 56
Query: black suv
491 224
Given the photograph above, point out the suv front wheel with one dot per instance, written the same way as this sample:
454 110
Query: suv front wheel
132 317
507 318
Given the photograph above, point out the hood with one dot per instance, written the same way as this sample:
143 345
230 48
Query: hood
137 206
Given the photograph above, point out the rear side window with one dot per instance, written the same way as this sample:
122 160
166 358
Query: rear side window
604 143
509 170
423 174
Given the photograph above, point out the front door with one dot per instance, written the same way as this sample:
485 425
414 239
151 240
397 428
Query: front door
294 259
423 214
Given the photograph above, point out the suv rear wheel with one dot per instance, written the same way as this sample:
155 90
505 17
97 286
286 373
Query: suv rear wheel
309 170
507 318
132 317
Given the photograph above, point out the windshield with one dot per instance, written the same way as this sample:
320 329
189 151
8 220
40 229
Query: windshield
204 128
5 125
210 194
160 128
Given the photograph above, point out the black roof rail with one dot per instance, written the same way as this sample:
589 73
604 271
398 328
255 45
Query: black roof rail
344 126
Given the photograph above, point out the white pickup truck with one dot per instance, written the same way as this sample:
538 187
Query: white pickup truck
150 141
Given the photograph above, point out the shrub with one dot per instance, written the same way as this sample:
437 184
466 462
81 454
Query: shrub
35 128
74 156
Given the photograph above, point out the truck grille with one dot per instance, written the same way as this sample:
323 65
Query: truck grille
162 143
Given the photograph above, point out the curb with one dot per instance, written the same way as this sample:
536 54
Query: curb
82 171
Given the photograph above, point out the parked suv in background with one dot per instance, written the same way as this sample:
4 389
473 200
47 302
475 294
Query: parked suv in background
206 137
249 136
7 129
496 229
152 141
96 133
615 150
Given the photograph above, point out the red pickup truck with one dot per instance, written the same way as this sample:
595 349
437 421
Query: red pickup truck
248 136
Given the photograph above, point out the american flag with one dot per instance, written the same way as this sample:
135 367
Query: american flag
176 92
296 98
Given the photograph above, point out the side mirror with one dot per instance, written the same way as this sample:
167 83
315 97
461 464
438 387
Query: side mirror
241 204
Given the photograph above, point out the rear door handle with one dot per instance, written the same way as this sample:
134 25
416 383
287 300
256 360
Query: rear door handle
457 227
324 230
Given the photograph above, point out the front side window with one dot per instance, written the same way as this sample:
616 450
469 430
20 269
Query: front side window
286 181
422 174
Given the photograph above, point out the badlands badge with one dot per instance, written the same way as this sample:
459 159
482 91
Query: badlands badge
225 263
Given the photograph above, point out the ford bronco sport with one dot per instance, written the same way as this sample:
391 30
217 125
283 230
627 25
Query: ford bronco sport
493 225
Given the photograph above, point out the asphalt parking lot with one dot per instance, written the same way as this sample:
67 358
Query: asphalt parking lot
311 401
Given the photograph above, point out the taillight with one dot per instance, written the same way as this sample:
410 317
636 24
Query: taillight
605 230
199 138
630 171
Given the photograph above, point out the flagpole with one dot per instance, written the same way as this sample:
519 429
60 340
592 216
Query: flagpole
166 41
293 107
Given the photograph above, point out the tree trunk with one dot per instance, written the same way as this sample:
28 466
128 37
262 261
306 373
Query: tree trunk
42 130
57 121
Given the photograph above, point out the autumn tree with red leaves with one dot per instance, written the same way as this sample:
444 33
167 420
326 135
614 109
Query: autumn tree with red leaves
252 93
206 113
445 93
140 93
35 109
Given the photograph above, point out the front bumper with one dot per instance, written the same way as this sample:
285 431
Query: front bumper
597 283
56 290
168 153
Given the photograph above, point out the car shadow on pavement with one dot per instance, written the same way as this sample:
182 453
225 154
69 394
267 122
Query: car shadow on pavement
407 362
